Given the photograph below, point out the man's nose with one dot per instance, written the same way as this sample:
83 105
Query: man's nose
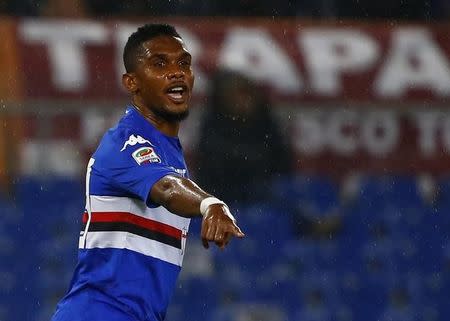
175 72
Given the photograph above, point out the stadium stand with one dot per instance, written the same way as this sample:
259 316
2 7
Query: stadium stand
390 260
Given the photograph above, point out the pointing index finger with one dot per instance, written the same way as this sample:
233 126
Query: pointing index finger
237 232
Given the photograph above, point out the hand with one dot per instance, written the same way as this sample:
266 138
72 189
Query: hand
219 226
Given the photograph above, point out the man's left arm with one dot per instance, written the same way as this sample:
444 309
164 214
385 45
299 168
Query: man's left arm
183 197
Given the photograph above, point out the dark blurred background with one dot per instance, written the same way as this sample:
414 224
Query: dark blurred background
326 9
324 124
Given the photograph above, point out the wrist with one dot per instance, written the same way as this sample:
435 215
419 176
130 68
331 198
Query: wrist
207 202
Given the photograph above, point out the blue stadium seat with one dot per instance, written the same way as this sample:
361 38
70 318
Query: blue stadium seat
389 237
300 255
396 191
401 313
197 297
433 235
258 310
406 298
407 251
322 298
47 233
443 186
317 195
265 221
266 229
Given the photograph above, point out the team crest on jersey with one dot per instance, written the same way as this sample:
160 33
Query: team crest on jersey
146 155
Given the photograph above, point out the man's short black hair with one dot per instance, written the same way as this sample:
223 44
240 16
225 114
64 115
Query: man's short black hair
133 47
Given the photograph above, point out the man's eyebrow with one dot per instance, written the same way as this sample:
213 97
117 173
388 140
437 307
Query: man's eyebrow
157 56
149 55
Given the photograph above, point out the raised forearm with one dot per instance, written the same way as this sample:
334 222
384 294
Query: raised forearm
183 197
179 195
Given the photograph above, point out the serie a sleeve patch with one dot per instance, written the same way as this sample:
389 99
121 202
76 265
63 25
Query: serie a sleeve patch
146 155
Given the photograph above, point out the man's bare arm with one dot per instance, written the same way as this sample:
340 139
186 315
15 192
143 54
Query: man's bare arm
183 197
179 195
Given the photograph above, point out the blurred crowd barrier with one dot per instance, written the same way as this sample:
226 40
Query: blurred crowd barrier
358 231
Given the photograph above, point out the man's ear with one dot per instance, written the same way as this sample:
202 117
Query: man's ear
130 82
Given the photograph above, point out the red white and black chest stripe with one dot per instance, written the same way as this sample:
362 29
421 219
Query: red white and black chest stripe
126 223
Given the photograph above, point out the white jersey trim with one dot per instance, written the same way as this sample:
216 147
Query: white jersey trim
137 207
136 243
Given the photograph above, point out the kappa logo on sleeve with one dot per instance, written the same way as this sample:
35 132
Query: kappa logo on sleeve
146 155
133 140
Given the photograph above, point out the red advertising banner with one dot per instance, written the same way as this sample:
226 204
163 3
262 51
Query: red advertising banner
323 141
382 141
296 61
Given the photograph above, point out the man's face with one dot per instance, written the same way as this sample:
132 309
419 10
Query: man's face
165 78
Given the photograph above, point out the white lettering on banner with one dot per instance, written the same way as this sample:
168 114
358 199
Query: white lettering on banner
254 52
308 133
380 132
377 133
65 40
414 61
340 140
427 125
329 53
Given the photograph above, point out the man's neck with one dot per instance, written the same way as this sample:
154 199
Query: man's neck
164 126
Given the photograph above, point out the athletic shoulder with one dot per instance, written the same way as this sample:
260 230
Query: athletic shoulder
112 138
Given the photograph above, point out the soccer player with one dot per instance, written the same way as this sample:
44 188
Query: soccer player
139 199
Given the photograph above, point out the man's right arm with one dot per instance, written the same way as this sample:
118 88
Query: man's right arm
183 197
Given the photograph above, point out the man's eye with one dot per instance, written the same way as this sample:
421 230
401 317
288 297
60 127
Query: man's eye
185 63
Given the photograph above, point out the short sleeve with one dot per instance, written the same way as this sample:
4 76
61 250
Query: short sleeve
139 179
132 169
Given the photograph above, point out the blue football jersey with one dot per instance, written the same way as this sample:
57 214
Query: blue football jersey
130 250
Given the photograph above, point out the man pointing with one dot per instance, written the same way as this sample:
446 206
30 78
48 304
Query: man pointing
139 199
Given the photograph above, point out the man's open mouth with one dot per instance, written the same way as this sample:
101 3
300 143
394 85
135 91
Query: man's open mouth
177 93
